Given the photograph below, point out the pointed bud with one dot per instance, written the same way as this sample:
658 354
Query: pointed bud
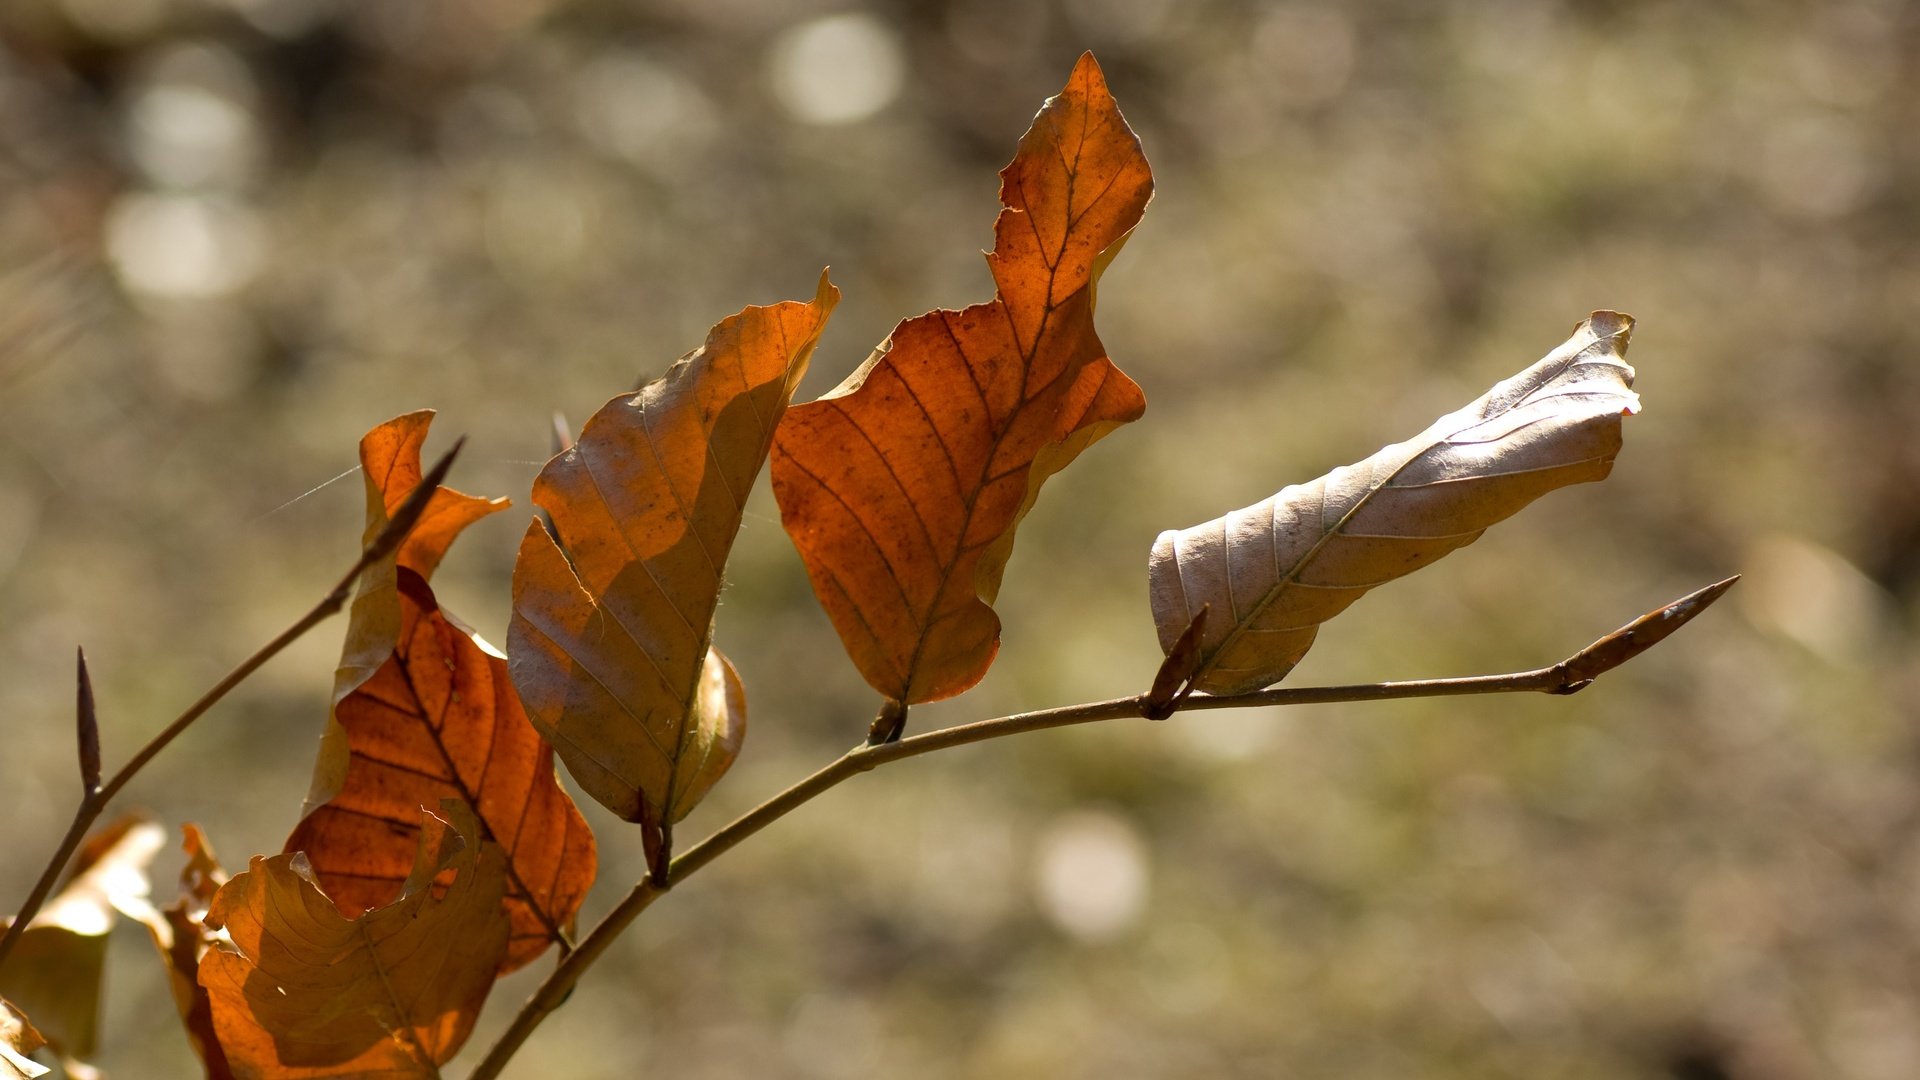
1639 635
89 722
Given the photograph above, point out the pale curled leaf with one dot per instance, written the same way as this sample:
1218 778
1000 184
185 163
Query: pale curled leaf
18 1039
54 971
902 489
612 624
1278 569
440 720
305 992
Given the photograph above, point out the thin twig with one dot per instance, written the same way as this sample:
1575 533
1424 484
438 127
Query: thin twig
1566 677
402 522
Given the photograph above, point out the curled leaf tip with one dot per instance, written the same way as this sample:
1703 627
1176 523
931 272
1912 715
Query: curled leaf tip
1607 324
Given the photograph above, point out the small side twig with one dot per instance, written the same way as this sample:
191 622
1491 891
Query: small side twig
99 795
1567 676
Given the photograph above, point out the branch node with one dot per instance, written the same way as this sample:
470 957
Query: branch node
660 867
889 725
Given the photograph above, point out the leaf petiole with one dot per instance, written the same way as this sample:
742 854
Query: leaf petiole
1572 673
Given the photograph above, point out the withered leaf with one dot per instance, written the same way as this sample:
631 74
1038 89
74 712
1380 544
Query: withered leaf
182 938
435 718
903 487
54 971
613 608
390 470
18 1039
440 720
1276 570
302 991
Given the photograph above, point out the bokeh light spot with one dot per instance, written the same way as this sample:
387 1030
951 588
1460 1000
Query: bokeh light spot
837 69
182 246
1090 873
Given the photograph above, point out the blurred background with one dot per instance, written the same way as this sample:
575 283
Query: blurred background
235 234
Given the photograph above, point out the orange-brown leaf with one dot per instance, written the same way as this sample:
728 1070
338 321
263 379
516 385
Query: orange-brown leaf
54 970
903 487
390 468
304 992
440 720
613 609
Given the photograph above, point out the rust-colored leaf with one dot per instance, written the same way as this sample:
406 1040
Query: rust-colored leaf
1278 569
302 991
390 469
903 487
440 720
17 1040
183 939
54 971
613 608
436 719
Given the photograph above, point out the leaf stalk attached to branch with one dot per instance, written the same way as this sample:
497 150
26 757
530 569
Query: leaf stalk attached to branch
1569 675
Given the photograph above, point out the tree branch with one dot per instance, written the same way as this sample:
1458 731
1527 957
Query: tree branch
97 797
1568 676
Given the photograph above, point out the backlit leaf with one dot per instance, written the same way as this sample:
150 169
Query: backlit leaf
182 938
440 720
18 1039
903 487
1275 571
54 972
302 991
613 608
390 469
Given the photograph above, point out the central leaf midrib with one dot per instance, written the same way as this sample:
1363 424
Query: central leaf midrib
1299 565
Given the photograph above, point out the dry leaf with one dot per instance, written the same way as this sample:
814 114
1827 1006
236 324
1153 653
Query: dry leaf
436 718
1278 569
55 968
305 992
440 720
17 1040
903 487
390 469
613 609
182 938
